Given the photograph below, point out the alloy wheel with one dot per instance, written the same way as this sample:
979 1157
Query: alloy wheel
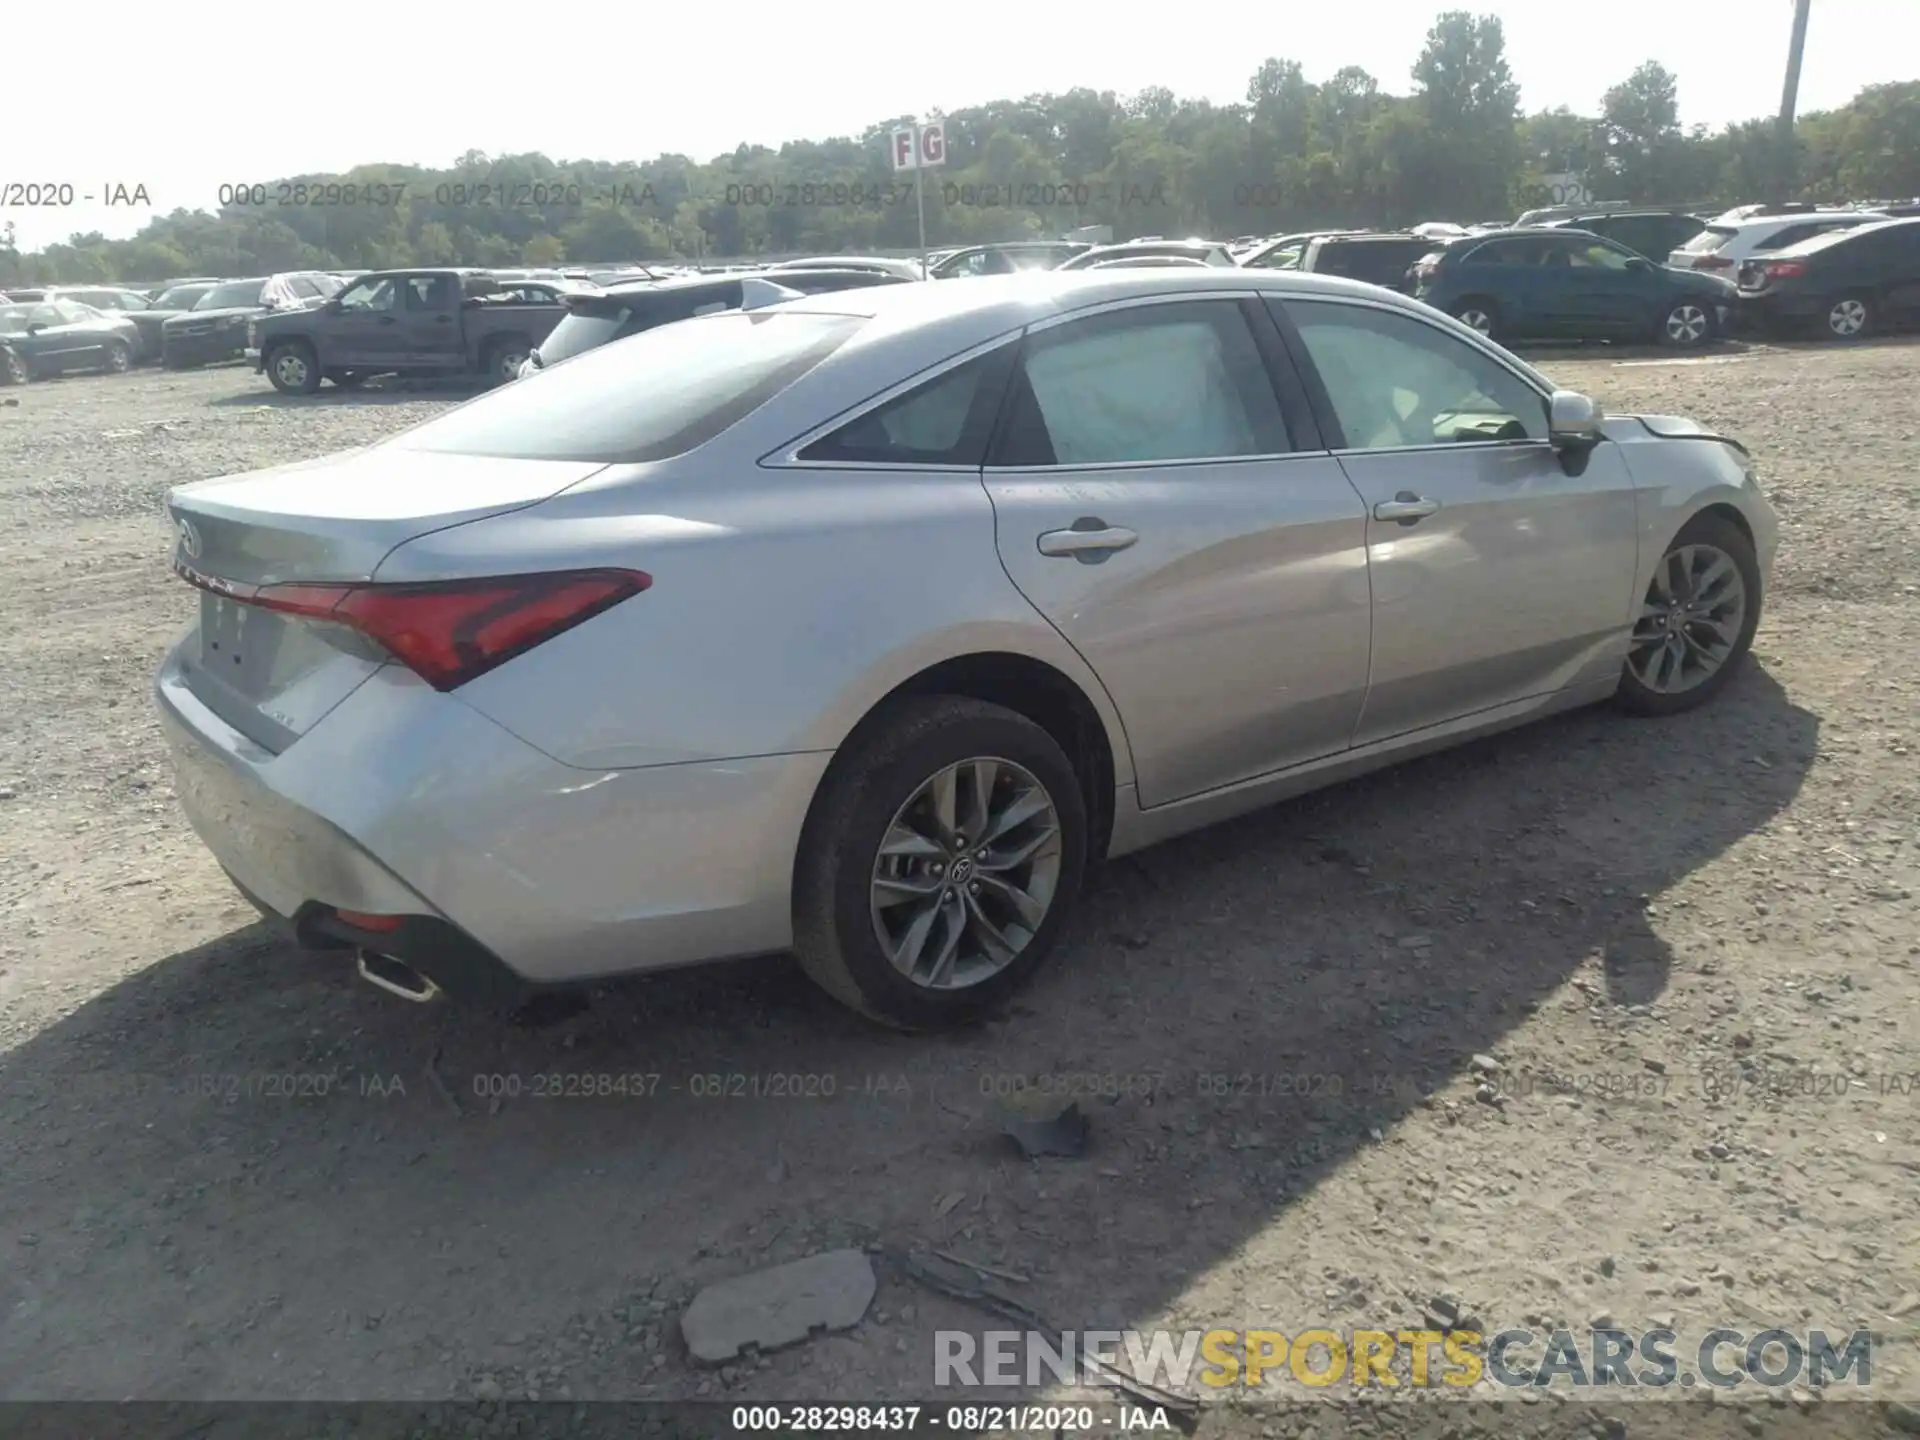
1690 621
16 369
1847 318
1477 319
510 363
290 368
966 873
1688 324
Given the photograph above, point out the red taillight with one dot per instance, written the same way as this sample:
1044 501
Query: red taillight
372 924
1713 262
1784 269
448 632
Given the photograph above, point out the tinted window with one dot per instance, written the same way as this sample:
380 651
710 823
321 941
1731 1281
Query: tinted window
1507 252
1589 255
304 288
1170 382
1284 257
943 422
1396 381
1380 262
651 397
180 297
430 292
238 296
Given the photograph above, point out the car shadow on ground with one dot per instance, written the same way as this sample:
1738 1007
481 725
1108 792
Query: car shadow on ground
373 393
246 1136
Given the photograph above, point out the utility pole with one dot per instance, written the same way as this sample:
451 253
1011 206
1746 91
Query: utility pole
1790 97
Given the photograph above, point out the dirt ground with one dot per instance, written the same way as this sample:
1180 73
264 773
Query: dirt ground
1690 948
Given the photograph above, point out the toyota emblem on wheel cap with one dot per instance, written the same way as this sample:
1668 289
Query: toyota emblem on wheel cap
189 540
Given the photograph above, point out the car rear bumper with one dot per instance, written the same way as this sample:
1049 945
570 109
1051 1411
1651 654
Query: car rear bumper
405 801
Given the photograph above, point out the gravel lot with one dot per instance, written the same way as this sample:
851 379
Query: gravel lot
1606 910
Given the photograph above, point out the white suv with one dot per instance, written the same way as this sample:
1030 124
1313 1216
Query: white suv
1735 237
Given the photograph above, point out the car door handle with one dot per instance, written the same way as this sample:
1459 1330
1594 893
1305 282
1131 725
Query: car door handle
1406 508
1088 540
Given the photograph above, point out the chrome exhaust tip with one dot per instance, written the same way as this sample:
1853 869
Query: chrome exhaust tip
396 977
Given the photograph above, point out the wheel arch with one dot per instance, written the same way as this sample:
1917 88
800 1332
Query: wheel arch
1031 687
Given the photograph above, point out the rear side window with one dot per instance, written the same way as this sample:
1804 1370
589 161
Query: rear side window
430 292
656 395
946 421
1164 383
1507 252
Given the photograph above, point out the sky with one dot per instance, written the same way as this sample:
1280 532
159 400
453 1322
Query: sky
597 80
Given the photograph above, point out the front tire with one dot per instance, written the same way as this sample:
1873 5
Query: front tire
118 359
292 368
504 359
1687 324
13 368
1696 621
942 856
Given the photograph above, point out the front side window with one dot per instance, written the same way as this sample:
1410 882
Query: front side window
1284 257
946 421
374 295
1395 381
1170 382
655 395
1593 255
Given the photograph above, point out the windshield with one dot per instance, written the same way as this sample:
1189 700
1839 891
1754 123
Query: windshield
180 297
657 394
232 296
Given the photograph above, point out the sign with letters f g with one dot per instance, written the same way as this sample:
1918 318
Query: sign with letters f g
920 148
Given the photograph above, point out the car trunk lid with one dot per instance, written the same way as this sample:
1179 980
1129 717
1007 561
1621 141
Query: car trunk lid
273 675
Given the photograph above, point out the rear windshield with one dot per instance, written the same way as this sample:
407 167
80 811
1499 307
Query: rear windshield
580 331
656 395
1709 240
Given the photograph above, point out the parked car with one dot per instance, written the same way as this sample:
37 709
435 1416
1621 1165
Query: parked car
1208 252
402 322
1379 258
165 285
1655 234
175 300
1844 284
903 269
1559 284
1282 252
215 329
55 337
599 319
859 626
1004 259
1724 245
111 300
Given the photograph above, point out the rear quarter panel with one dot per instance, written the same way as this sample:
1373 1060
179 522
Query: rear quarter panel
786 603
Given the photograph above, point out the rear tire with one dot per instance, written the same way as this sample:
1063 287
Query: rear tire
1701 609
1849 317
1687 324
503 360
987 907
292 368
118 359
1477 312
13 368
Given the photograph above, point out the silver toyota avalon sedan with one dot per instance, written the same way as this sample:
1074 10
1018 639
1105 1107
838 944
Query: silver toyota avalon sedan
862 625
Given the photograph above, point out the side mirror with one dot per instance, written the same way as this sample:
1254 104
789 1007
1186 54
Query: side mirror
35 328
1638 262
1573 422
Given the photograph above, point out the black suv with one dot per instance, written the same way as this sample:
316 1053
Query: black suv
1843 285
1655 234
596 318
